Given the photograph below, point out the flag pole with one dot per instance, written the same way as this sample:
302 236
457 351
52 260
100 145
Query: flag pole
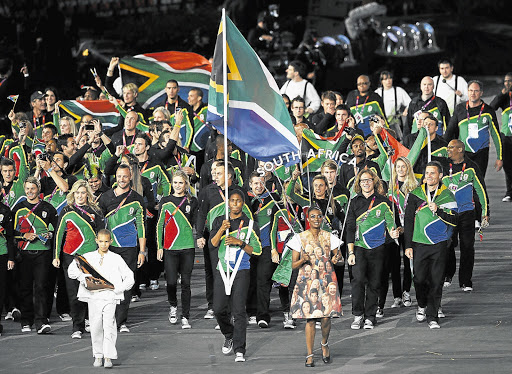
225 86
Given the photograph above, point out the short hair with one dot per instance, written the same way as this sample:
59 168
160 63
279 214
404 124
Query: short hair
63 140
436 164
343 107
431 117
132 87
328 95
299 67
124 166
173 81
104 232
298 99
219 140
198 91
329 164
476 81
314 207
164 111
64 157
94 93
254 174
385 74
236 191
313 290
51 127
444 61
7 162
144 136
33 180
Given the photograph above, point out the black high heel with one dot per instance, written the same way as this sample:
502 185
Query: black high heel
326 359
312 364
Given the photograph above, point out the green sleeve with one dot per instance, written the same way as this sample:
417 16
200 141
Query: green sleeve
164 183
160 228
24 171
255 243
415 150
273 230
482 194
383 156
104 157
390 220
56 121
141 224
290 191
496 138
61 230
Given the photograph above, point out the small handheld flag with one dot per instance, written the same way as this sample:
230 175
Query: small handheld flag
14 99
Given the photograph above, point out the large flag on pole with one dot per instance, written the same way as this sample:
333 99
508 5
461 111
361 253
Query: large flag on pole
258 121
151 71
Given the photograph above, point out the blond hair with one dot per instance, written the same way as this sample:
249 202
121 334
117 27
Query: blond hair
378 186
410 182
91 200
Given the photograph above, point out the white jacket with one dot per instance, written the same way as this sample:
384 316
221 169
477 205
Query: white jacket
113 268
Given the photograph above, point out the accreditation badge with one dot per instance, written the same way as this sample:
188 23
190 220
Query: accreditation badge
358 117
473 130
453 187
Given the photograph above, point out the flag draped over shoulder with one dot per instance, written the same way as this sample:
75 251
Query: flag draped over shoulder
104 110
258 121
151 71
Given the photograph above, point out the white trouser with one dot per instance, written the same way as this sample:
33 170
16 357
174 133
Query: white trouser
102 316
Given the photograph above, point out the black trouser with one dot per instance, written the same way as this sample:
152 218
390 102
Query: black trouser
507 163
56 278
11 287
3 280
407 281
258 297
465 233
429 266
481 158
339 268
78 309
33 273
367 273
182 262
222 304
152 268
211 258
129 255
392 263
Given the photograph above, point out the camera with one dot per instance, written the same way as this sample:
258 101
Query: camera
350 131
375 119
89 127
22 125
178 108
44 156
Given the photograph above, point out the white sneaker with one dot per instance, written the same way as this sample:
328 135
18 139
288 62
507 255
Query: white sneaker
8 316
447 282
406 298
368 325
318 325
421 314
209 314
440 313
98 361
108 363
184 323
263 324
173 311
467 288
65 317
142 286
252 320
44 329
227 348
87 326
379 313
16 314
77 335
356 324
507 199
397 302
26 328
135 298
217 327
239 357
123 328
433 325
154 285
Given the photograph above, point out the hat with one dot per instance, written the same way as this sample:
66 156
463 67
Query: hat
37 95
356 137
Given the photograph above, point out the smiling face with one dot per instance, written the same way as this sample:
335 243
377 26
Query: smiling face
50 97
257 185
81 196
401 169
454 150
95 183
31 191
432 175
123 177
319 188
366 183
129 96
179 185
315 218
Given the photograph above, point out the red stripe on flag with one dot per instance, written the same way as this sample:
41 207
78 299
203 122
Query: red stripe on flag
182 60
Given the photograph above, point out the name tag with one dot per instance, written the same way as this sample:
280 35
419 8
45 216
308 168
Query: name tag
417 114
359 117
473 130
510 122
453 187
231 254
282 235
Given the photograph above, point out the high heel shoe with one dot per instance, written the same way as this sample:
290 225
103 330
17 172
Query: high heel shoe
312 364
326 359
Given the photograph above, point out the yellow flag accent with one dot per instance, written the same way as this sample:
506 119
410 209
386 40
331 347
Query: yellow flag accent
152 77
234 74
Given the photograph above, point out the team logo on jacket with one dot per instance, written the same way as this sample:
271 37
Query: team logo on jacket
435 114
187 209
269 211
61 193
1 217
484 120
242 236
152 175
12 194
377 213
44 214
131 211
370 108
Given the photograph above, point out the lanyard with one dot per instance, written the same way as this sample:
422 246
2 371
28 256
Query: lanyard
122 202
357 103
5 198
222 194
239 229
53 193
124 139
91 217
144 167
461 173
175 211
175 105
510 100
36 120
196 116
368 211
479 114
428 194
428 103
24 218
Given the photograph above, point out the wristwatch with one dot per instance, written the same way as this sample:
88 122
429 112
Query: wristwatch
242 246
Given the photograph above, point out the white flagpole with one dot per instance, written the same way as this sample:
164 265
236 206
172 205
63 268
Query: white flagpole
429 147
225 89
